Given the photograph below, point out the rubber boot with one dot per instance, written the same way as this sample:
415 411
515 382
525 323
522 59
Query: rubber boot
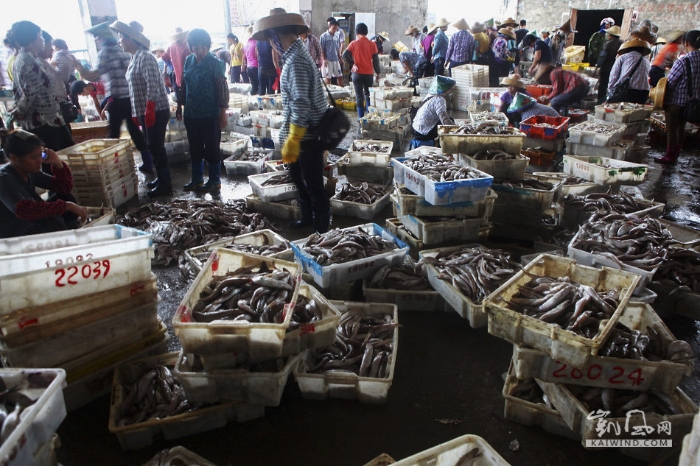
672 151
307 216
147 166
213 184
165 187
322 221
197 176
152 184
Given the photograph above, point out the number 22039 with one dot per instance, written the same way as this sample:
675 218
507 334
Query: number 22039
74 274
596 371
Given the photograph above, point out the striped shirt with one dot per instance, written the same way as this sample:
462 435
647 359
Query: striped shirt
461 47
677 87
112 63
64 65
623 67
145 83
35 93
539 109
303 97
440 44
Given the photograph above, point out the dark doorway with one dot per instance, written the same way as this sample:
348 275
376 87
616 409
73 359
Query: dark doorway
588 22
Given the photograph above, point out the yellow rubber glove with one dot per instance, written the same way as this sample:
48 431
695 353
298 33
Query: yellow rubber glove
292 146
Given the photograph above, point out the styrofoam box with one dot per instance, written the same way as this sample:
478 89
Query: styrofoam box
617 152
344 384
604 171
233 385
274 209
451 452
274 193
609 372
599 260
388 145
472 143
561 344
259 340
499 169
255 238
410 204
28 263
39 421
581 136
580 189
429 232
242 167
578 418
355 269
465 307
142 434
441 193
538 200
405 300
358 209
532 414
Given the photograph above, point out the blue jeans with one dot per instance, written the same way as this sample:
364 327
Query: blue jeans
561 102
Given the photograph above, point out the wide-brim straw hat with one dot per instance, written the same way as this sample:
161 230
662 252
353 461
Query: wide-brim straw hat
461 24
180 35
278 18
671 36
411 30
443 23
135 35
513 81
441 85
102 30
477 28
635 45
566 27
158 49
656 94
613 31
384 35
431 28
661 41
508 21
645 34
507 32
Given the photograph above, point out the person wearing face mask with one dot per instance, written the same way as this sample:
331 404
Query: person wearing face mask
204 93
22 210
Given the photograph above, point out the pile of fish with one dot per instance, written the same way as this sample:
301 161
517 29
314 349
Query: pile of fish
482 117
371 147
362 193
528 390
305 311
598 128
155 393
261 250
650 346
682 268
282 178
253 294
573 306
249 156
528 183
182 224
18 392
487 127
493 154
607 202
627 240
440 168
624 106
363 345
337 246
620 402
475 272
571 180
407 276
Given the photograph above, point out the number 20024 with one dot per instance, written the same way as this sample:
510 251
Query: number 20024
74 274
596 372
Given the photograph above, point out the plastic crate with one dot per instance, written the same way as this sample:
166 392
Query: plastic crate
360 145
617 151
451 452
96 152
499 169
72 262
480 117
441 193
113 194
38 422
573 217
438 232
274 193
392 105
538 90
609 372
396 228
405 300
100 216
369 167
233 145
142 434
579 134
574 54
604 171
472 143
561 344
411 204
261 341
84 131
359 210
99 176
255 238
637 153
242 167
579 189
535 200
273 209
471 75
623 112
355 269
539 157
342 384
379 121
533 128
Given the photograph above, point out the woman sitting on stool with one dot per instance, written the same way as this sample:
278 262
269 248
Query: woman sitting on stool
432 112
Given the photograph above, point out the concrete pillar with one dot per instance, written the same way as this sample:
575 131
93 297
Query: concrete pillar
94 12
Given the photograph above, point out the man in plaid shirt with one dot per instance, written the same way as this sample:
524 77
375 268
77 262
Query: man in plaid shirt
567 87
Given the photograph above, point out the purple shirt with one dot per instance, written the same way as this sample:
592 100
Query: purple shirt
428 46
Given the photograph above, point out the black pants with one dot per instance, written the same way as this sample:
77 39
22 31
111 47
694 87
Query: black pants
253 76
266 79
439 66
236 74
155 138
54 137
362 83
432 134
637 96
603 81
204 136
307 174
656 73
119 111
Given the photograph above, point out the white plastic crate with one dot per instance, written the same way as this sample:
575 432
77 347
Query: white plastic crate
358 144
233 385
471 75
580 189
536 200
113 194
391 93
405 300
561 344
274 193
74 263
437 232
348 385
255 238
99 176
609 372
617 113
411 204
259 340
242 167
359 210
96 152
499 169
38 422
472 143
449 453
233 145
273 209
100 216
353 270
617 151
379 121
392 105
579 135
604 171
142 434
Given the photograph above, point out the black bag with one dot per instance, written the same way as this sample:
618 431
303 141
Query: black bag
619 92
333 126
691 112
413 111
69 111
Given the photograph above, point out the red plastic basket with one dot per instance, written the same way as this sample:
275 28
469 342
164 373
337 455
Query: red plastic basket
537 90
545 127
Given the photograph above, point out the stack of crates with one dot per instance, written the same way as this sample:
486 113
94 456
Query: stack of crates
98 308
384 65
468 77
266 124
569 368
385 125
176 143
546 135
394 99
103 171
637 121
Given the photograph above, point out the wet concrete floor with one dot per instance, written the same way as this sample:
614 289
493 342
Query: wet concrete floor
447 383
